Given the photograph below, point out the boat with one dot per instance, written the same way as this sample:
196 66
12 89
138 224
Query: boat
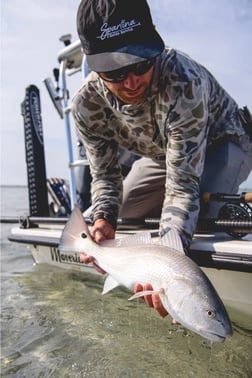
221 247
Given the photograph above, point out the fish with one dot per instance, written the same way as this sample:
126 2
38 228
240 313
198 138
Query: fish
184 289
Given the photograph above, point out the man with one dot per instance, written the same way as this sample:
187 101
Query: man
162 105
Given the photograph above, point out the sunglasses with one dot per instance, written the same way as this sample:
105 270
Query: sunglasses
117 76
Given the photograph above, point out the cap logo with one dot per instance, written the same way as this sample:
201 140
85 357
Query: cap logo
116 30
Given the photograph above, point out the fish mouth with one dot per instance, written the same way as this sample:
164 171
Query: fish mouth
214 337
218 333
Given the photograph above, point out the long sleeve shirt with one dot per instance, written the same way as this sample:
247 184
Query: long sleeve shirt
185 110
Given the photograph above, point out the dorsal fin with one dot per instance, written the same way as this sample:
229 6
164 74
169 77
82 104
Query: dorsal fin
170 239
74 228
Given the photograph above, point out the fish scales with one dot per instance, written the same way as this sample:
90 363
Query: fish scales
156 264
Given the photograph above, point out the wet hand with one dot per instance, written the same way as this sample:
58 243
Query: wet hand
152 300
86 259
101 230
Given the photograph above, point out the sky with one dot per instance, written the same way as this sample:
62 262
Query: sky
216 33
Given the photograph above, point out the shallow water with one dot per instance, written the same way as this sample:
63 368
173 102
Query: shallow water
56 324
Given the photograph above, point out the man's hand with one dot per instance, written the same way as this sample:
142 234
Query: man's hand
101 230
153 300
86 259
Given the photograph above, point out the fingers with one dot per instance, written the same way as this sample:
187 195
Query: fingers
148 298
98 235
98 268
157 304
151 300
89 259
138 287
85 258
102 230
175 322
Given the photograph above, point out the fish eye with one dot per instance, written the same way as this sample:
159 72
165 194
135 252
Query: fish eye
83 235
211 313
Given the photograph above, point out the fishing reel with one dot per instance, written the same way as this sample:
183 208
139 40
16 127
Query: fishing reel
236 212
234 217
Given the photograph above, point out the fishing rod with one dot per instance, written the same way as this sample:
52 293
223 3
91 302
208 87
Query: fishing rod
244 197
237 228
27 222
234 218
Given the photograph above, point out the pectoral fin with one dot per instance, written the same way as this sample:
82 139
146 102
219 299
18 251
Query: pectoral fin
109 284
146 292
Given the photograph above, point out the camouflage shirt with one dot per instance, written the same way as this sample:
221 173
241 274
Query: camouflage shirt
185 110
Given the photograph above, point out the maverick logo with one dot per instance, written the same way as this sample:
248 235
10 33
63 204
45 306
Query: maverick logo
66 258
116 30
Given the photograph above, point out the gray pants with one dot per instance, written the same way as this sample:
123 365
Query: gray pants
227 166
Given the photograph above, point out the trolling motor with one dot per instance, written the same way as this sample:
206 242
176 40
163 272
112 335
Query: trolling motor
236 213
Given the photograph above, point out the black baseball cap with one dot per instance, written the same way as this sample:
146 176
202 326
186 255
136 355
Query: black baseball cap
117 33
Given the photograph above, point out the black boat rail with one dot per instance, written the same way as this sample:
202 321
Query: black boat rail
205 225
